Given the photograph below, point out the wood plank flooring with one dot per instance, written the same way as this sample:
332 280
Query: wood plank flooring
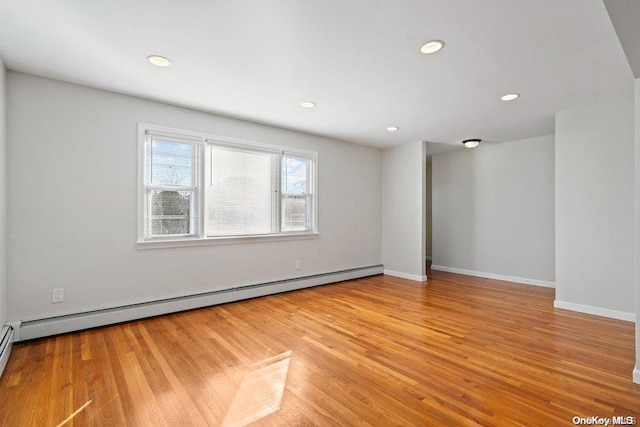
385 351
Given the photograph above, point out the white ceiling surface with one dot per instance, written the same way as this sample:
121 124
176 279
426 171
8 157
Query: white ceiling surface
358 60
625 16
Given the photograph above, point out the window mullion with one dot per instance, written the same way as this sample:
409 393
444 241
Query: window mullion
200 189
278 191
167 188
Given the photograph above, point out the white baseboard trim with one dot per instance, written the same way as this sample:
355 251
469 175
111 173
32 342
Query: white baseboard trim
636 375
405 275
6 344
74 322
15 324
513 279
596 311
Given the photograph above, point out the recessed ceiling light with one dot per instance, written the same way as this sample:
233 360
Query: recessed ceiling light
159 61
307 104
393 128
432 46
471 143
510 96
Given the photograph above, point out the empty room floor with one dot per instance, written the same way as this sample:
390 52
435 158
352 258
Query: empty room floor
455 350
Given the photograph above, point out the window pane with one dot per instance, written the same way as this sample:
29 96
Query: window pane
169 212
296 213
297 201
295 176
170 163
241 197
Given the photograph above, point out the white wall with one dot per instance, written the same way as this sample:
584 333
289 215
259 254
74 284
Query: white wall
3 195
403 210
72 205
428 209
594 209
636 372
493 210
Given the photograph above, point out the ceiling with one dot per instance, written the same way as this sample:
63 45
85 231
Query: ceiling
358 60
624 15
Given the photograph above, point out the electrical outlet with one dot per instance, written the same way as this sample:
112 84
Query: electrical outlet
57 295
298 264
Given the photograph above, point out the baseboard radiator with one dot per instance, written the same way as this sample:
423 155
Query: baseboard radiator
92 319
6 343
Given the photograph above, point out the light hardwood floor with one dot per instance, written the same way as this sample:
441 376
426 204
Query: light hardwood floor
385 351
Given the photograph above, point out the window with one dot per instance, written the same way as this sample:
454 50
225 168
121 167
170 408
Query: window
297 197
170 187
196 187
242 196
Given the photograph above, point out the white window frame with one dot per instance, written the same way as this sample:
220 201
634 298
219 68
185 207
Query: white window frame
202 140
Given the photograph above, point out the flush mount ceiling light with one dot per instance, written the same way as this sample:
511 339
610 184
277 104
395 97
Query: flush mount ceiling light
471 143
307 104
393 128
510 96
432 46
159 61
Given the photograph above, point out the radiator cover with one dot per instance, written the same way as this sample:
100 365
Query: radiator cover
6 344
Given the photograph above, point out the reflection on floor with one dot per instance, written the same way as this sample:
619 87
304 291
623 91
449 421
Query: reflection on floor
260 392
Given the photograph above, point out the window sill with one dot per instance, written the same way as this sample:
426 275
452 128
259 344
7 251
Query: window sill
213 241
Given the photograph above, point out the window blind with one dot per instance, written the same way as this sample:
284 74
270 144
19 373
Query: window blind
241 191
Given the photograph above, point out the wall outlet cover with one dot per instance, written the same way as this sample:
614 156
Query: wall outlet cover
57 295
